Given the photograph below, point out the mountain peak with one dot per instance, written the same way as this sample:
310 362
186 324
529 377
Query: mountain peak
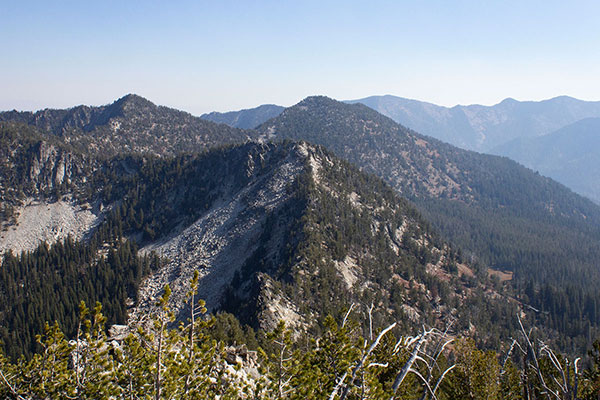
509 100
133 100
317 100
320 105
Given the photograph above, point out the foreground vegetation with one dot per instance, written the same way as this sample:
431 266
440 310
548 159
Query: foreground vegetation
346 361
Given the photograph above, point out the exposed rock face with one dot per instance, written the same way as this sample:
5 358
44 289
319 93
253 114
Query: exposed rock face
304 234
35 170
219 242
51 167
274 306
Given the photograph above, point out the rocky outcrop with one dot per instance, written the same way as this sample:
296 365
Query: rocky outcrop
35 169
302 235
220 241
51 167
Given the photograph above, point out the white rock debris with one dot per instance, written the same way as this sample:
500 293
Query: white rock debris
40 221
219 242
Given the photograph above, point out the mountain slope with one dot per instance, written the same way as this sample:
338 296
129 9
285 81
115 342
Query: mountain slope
277 231
569 155
505 215
58 246
419 166
245 119
502 214
287 231
130 124
481 128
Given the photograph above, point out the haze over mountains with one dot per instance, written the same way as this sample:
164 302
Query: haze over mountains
245 119
289 207
570 155
481 128
471 127
508 129
557 137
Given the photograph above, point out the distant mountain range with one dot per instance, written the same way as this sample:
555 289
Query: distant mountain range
245 119
570 155
509 128
481 128
472 127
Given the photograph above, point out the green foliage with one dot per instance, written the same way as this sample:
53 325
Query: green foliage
477 374
511 386
149 363
158 362
592 375
49 283
130 124
498 212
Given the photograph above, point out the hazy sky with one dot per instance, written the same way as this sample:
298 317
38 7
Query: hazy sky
224 55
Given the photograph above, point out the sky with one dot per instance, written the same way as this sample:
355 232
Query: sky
221 55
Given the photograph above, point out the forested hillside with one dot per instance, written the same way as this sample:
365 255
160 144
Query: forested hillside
316 235
499 214
504 215
130 124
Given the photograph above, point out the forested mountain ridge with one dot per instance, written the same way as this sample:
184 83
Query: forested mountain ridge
510 128
277 231
245 119
370 140
300 234
130 124
421 166
502 213
481 128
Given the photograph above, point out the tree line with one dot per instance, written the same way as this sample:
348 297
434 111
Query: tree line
350 359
